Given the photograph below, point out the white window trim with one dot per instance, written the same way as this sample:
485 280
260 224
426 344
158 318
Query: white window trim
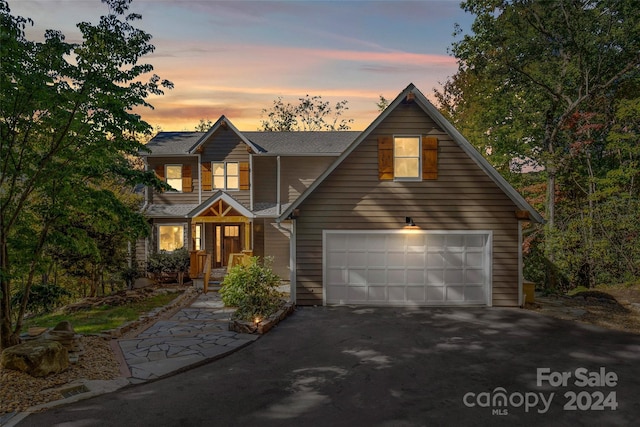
408 178
166 175
226 187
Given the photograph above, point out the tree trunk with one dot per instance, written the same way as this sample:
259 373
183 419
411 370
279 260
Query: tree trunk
6 337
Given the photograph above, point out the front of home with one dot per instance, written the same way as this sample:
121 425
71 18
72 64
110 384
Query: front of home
405 213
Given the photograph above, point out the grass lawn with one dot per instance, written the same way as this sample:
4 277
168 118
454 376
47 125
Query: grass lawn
102 318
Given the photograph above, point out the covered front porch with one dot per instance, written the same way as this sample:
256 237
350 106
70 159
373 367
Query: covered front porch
221 234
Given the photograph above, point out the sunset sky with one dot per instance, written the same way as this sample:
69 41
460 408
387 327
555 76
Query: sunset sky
236 57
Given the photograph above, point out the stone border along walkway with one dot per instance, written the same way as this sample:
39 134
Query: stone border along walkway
194 335
163 342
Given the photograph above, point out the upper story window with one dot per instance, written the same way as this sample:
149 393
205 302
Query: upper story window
174 176
226 176
406 157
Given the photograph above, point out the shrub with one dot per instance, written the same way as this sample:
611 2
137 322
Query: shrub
252 289
168 262
42 298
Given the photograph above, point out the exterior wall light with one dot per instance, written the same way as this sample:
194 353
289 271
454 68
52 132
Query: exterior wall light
409 222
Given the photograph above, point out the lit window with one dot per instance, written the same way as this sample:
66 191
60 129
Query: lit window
226 176
174 176
406 157
170 237
218 176
197 239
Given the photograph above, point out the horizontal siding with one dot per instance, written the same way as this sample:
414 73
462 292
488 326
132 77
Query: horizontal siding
225 146
462 198
172 197
298 173
265 175
277 245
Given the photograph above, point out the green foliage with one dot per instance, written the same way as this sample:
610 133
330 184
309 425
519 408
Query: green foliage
311 114
204 125
102 318
69 137
42 298
252 289
558 84
168 261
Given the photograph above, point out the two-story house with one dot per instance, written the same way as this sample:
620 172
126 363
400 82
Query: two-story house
406 212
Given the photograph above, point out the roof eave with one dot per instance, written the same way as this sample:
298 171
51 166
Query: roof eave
433 112
222 121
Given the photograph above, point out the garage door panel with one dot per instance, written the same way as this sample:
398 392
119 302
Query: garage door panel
474 259
395 277
416 277
453 276
416 294
376 242
357 293
377 293
474 277
396 294
357 259
376 258
435 260
435 276
377 276
474 293
337 276
435 293
453 259
395 259
414 260
455 293
337 259
357 277
394 268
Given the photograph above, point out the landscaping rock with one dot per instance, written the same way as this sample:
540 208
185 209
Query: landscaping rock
64 333
263 326
37 358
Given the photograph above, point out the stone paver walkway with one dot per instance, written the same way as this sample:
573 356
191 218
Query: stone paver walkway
194 335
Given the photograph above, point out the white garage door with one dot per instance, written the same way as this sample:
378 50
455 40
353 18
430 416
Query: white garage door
407 267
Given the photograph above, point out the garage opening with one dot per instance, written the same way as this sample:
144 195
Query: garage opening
407 267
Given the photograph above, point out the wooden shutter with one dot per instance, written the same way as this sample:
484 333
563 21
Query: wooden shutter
244 175
160 171
429 157
187 181
205 176
385 158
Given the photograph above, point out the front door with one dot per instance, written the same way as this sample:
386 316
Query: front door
227 242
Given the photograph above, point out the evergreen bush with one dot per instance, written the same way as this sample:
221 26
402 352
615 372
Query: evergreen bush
251 287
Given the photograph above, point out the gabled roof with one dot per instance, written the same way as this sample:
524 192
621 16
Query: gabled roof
302 143
330 143
436 116
172 143
219 195
222 122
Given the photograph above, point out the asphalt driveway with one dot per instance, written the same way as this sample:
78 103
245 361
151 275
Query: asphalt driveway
346 366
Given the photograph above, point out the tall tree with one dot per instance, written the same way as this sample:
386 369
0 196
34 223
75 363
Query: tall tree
67 124
311 114
544 61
